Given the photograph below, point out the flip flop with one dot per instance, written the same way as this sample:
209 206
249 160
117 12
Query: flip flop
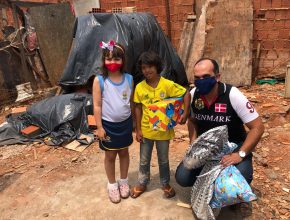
169 192
137 191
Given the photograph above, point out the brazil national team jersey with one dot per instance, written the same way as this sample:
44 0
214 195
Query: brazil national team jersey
147 95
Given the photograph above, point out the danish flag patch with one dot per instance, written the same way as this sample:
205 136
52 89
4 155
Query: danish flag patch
219 107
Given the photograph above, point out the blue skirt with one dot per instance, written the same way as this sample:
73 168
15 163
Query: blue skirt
118 134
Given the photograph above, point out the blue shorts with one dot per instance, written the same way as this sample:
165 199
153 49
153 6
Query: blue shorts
119 135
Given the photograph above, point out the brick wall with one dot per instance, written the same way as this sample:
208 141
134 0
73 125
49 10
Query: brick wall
271 25
179 9
272 31
9 13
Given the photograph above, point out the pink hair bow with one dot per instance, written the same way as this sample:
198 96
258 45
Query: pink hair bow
110 45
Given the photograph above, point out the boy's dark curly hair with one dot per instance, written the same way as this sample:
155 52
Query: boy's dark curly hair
152 59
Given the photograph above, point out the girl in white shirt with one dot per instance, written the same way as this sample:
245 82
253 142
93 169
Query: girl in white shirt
112 95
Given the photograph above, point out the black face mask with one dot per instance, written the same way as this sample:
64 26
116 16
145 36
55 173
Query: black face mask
204 86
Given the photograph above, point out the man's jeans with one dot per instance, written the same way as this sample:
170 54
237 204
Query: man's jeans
186 177
145 158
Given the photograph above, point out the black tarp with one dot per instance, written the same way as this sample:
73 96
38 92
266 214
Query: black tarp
61 118
51 113
138 32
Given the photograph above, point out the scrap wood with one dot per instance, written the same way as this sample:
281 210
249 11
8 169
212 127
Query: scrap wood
88 138
34 153
18 110
73 160
45 174
257 60
18 166
76 146
184 205
58 91
72 145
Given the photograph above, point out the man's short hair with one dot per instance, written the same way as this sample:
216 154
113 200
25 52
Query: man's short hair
216 68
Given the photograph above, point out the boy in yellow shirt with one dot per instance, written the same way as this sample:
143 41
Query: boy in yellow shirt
152 89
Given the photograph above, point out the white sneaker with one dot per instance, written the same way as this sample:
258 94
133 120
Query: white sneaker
124 189
114 193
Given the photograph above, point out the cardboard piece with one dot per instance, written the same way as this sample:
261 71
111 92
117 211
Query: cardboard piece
76 146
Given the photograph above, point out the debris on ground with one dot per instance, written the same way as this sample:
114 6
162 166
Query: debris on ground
22 166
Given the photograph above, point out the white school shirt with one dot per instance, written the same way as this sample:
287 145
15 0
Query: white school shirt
116 99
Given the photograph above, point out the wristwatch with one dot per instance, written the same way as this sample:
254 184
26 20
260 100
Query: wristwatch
242 154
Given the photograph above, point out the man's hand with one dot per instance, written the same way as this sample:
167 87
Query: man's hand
139 136
231 159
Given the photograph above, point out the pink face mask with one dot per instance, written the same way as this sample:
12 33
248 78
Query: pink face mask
113 67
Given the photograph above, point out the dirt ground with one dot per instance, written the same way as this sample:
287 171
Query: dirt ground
37 181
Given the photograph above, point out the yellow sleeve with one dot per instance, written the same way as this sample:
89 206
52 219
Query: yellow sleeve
136 94
175 90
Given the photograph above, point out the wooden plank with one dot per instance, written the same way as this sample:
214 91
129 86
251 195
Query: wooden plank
54 28
256 61
199 38
224 31
1 24
287 82
76 146
186 39
229 39
184 205
18 110
27 75
10 74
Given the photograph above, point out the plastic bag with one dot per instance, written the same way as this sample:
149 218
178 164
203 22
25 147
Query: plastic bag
206 147
228 148
230 188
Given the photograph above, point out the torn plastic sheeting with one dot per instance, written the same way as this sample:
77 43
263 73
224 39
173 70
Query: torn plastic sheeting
137 32
50 114
10 135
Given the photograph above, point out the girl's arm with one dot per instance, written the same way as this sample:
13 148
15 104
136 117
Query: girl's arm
97 101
